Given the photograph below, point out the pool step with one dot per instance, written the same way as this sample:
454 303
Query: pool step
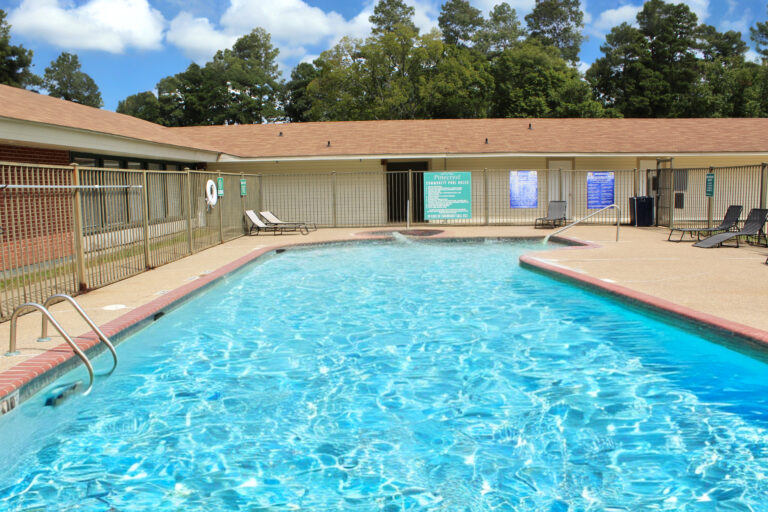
60 393
9 403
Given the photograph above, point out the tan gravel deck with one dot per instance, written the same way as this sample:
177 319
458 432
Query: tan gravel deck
726 282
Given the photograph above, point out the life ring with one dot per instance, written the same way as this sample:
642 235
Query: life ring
211 193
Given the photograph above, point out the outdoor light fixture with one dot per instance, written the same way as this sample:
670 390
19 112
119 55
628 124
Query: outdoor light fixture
486 140
280 134
530 126
329 144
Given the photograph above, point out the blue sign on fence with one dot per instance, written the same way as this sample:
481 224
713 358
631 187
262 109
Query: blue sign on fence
523 189
600 187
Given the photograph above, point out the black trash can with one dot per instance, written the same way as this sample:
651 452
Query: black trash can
641 211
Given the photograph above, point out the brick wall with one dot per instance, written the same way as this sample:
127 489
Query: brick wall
31 155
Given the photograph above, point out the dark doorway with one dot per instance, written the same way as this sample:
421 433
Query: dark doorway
397 191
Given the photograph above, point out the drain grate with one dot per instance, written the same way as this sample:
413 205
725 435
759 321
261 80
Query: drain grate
9 403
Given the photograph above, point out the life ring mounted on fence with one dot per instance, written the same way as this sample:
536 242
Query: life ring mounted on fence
211 193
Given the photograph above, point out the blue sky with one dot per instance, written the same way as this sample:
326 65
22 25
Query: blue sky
127 46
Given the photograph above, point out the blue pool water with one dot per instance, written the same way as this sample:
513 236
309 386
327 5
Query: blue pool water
394 376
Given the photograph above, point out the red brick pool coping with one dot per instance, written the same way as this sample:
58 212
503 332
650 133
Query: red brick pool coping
752 335
48 366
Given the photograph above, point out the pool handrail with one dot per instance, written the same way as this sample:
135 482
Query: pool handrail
618 219
12 344
66 298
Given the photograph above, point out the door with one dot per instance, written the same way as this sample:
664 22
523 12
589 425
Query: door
398 191
561 183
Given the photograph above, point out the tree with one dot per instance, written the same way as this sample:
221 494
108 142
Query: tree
534 81
459 22
399 75
245 81
726 79
652 70
759 34
183 98
558 23
500 31
15 61
64 79
388 14
297 102
240 85
458 86
143 105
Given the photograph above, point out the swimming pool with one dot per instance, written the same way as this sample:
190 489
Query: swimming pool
400 376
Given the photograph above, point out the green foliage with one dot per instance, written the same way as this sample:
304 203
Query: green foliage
239 86
143 105
459 22
64 79
458 86
399 75
14 60
672 67
759 34
388 14
500 31
558 23
534 81
296 100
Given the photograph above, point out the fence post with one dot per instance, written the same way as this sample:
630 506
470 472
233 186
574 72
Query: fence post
220 204
409 202
635 182
261 195
485 198
671 198
146 219
79 241
189 210
764 185
709 203
242 202
333 197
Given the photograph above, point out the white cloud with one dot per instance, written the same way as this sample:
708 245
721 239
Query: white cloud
293 25
197 38
521 6
700 7
615 17
753 56
108 25
291 21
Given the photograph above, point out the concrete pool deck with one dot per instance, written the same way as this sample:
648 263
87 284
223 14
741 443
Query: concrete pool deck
725 286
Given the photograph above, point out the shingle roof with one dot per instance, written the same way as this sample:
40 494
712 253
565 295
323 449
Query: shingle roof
468 136
413 137
25 105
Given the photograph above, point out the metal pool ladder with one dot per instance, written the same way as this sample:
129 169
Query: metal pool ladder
569 226
43 308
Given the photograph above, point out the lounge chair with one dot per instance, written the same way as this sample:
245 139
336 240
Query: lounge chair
273 220
730 221
555 215
258 225
753 226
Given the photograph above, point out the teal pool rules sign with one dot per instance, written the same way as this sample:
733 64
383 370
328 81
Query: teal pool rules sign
710 185
447 195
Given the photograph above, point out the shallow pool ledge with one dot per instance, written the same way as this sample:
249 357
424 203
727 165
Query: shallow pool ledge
746 334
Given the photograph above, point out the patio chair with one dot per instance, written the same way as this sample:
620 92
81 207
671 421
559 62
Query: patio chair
258 225
753 226
273 220
730 221
555 215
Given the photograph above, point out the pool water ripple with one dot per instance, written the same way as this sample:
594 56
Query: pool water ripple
422 377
